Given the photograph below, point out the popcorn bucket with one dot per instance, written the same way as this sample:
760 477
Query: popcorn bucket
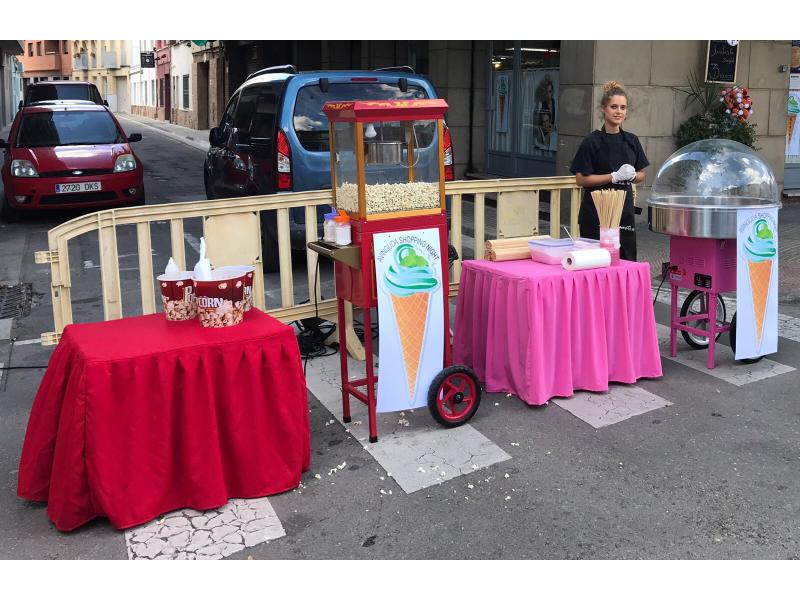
248 282
177 295
220 301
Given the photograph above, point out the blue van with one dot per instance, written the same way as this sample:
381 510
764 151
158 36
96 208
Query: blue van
274 137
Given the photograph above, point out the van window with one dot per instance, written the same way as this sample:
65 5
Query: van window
311 124
40 93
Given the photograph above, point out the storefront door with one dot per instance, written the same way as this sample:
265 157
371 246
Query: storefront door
522 128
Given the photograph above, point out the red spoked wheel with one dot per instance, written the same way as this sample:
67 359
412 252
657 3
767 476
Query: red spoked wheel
454 396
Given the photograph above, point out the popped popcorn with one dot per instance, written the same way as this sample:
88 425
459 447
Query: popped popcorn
389 197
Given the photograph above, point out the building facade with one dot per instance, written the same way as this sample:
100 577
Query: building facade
45 60
105 63
142 81
10 81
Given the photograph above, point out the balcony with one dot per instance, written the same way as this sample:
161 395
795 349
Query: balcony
81 61
110 60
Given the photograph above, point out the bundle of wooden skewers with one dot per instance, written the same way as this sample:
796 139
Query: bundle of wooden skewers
510 248
609 205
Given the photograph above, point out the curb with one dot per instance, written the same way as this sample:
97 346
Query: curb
188 140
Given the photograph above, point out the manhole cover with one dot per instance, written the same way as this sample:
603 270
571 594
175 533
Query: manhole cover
15 300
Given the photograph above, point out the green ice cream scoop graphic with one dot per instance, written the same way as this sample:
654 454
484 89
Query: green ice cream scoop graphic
410 273
760 244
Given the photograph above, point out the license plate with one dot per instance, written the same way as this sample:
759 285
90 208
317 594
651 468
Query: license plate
71 188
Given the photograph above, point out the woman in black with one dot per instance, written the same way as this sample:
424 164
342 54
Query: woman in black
610 158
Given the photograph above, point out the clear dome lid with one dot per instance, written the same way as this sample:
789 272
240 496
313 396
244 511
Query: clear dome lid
716 174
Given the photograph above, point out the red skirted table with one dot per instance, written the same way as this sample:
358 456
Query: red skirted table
539 331
140 416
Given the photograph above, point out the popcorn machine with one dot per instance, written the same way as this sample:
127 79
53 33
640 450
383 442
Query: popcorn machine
387 174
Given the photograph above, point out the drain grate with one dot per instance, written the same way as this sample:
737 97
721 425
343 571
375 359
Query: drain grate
15 300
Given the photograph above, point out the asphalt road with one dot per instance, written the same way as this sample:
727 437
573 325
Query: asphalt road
713 475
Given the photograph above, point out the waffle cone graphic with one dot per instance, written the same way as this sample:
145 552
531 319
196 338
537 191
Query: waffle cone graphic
411 314
790 121
760 274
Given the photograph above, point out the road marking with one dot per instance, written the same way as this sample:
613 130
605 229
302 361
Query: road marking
1 372
213 534
726 367
27 342
192 241
788 327
5 328
619 403
411 446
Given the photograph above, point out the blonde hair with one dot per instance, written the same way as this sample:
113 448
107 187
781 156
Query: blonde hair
611 89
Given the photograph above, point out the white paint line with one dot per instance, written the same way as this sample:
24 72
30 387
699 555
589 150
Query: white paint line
788 327
5 328
1 372
27 342
213 534
411 446
620 402
192 241
726 367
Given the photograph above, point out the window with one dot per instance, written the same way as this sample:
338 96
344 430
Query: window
153 91
186 92
30 49
51 46
311 124
65 44
38 48
68 128
63 92
227 120
161 93
264 110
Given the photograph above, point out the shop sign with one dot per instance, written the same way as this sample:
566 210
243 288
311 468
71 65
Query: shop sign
147 59
408 271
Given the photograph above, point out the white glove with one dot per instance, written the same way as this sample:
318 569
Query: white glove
625 174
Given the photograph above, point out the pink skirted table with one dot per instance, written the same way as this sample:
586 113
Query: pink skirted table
539 331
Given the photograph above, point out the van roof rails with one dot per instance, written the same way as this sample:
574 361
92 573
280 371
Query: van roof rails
276 69
403 69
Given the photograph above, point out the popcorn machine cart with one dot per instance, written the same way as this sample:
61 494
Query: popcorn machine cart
387 173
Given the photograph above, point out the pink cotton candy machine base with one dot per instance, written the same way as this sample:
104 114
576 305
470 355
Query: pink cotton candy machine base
707 266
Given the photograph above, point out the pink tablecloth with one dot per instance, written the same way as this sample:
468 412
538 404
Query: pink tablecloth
538 331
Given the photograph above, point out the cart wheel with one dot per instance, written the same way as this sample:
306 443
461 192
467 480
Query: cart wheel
454 396
732 334
695 304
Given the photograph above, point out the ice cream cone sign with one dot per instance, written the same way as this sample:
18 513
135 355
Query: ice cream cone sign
410 312
757 273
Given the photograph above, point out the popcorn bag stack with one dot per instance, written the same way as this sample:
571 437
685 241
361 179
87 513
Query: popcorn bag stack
220 293
219 297
177 293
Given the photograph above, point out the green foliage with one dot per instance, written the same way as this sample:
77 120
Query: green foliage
712 121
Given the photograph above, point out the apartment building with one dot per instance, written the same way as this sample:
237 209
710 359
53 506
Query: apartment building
45 60
106 63
142 80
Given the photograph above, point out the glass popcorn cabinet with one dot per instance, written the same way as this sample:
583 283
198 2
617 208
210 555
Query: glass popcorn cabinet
387 157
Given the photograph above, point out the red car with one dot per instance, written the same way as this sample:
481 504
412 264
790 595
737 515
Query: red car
69 154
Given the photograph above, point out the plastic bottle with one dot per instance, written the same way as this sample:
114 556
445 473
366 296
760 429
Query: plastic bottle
343 237
329 227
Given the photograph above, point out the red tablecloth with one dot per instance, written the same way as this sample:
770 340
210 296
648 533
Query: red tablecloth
140 416
539 331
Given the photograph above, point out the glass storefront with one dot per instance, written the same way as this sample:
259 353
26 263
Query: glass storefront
522 130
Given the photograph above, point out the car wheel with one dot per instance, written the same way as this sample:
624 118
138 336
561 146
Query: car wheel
9 213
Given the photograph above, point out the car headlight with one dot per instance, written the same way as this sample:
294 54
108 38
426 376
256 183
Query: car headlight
23 168
125 162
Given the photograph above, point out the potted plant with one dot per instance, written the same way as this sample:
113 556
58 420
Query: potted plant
724 113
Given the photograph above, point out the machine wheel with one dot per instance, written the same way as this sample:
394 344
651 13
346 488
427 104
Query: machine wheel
732 334
695 304
454 396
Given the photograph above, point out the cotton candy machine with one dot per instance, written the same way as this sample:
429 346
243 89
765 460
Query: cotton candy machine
694 199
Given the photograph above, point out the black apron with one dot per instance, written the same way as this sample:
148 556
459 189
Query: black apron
609 159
